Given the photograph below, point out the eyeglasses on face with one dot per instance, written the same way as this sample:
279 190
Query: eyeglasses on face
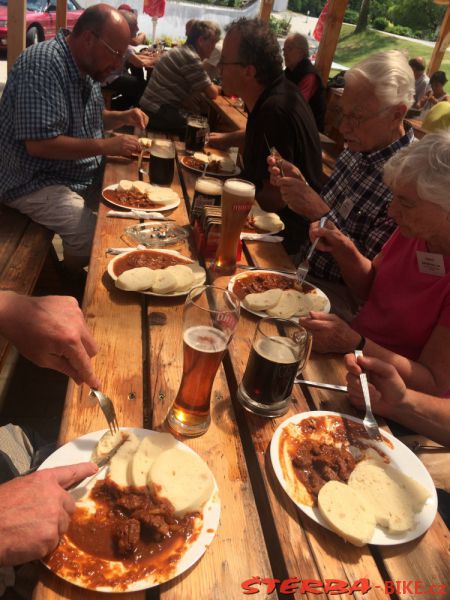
112 50
355 121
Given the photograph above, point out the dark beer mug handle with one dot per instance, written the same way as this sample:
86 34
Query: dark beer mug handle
306 355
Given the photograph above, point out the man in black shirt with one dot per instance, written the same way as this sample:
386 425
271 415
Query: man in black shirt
251 67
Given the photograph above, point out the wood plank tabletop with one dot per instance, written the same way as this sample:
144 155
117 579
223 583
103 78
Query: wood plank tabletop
262 534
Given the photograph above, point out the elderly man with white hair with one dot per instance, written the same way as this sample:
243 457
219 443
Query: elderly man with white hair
300 70
378 92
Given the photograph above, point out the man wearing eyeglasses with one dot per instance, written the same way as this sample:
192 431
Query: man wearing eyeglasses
52 128
377 94
251 68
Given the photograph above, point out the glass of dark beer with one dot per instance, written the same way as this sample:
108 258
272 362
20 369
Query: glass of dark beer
279 352
162 161
210 318
197 130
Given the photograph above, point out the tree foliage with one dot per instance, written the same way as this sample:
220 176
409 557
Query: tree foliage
416 14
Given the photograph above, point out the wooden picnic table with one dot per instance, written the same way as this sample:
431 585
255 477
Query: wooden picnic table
261 534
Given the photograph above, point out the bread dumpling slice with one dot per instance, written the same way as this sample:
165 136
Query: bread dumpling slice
141 187
346 513
125 185
385 491
182 478
198 272
148 450
288 305
164 282
106 443
118 467
263 300
136 280
183 275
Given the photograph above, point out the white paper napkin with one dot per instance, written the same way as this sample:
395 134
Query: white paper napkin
257 237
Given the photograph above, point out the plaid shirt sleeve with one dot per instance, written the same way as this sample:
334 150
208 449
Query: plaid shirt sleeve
41 108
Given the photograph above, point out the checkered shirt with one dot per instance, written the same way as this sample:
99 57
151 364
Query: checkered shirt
46 96
359 177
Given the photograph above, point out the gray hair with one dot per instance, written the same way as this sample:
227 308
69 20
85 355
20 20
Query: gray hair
202 29
390 76
425 164
300 41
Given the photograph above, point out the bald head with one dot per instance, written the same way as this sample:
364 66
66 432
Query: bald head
96 18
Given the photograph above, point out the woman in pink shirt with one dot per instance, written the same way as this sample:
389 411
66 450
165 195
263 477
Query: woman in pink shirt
405 317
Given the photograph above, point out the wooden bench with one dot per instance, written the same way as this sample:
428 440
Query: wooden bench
24 248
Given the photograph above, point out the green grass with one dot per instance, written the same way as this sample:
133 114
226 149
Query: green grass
353 48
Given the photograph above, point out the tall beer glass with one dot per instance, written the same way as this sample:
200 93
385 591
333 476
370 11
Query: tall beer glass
237 199
209 320
162 160
280 350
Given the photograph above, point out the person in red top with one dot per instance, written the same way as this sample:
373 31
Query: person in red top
405 318
302 72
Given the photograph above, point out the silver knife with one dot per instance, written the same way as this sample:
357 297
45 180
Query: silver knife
272 270
326 386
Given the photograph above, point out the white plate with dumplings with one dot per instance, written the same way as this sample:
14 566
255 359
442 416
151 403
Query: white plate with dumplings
164 464
273 301
156 272
141 195
399 489
261 223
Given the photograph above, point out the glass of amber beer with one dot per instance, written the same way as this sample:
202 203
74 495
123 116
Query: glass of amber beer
279 352
238 197
210 318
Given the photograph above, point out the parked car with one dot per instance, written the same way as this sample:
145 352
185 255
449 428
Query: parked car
40 20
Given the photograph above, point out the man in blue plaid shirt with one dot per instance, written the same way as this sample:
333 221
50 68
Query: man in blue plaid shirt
52 128
377 94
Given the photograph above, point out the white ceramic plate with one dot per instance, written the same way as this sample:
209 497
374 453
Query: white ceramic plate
155 207
400 457
185 260
235 173
261 272
80 449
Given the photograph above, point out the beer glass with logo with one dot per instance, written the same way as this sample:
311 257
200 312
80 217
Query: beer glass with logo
279 351
208 192
237 199
197 130
162 160
210 318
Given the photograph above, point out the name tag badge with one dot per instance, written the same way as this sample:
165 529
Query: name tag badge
346 208
430 263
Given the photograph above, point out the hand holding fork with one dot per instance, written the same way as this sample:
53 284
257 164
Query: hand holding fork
303 267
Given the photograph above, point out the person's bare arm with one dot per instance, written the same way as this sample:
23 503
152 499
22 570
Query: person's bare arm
425 414
429 374
212 91
51 332
35 512
357 271
223 141
140 38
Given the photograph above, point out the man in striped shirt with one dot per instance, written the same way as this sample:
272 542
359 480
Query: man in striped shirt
177 76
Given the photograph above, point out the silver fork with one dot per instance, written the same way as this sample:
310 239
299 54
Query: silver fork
303 267
107 407
369 422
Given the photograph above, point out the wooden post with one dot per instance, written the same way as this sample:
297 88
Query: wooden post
16 30
441 44
61 14
266 10
330 36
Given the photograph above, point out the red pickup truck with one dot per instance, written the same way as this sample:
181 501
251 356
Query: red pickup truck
40 20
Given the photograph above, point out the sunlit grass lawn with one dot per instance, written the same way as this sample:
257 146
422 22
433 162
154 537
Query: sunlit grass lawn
353 48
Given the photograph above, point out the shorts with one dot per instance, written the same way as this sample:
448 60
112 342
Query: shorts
63 211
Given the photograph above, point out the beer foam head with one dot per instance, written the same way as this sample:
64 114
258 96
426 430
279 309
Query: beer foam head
277 349
239 187
162 149
208 185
